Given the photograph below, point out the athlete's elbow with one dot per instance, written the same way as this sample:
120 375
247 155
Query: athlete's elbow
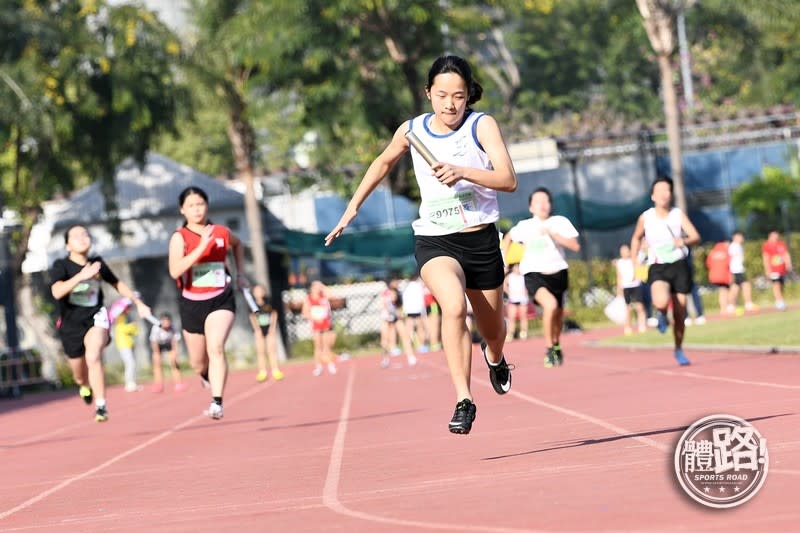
509 185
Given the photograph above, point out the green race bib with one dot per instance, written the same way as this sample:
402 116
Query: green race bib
450 212
211 274
85 294
668 253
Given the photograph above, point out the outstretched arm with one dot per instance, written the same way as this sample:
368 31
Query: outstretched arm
378 170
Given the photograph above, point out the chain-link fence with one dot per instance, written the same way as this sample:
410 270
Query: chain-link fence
356 309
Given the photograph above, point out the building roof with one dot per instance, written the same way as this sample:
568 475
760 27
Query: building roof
142 192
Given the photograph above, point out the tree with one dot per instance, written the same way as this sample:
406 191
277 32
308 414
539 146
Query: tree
84 86
658 18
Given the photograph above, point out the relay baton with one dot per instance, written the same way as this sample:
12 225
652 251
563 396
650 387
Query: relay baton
251 302
421 148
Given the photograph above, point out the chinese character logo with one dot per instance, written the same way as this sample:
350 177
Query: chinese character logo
721 461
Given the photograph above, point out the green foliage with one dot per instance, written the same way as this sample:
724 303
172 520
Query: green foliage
769 201
84 86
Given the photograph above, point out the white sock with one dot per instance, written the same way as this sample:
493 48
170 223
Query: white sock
100 402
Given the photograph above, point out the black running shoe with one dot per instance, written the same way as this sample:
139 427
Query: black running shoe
550 358
559 355
499 374
463 417
101 414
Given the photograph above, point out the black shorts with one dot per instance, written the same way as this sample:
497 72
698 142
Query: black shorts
633 295
194 312
722 285
478 253
739 278
72 334
676 274
556 284
162 348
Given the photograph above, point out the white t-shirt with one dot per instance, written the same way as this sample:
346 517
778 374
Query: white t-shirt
736 253
542 254
163 336
414 298
627 273
660 234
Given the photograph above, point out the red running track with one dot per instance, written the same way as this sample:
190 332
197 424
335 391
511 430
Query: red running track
584 447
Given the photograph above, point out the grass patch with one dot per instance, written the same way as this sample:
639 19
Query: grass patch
767 329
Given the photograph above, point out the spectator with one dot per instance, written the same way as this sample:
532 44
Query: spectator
736 253
629 287
718 263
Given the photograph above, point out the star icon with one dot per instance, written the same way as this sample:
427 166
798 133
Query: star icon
708 489
722 489
736 489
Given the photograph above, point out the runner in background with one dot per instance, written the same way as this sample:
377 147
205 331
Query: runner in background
777 263
317 310
83 323
545 267
719 272
663 228
197 261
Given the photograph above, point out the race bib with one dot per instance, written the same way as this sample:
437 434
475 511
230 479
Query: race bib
450 212
211 274
668 253
539 244
318 313
85 294
776 260
264 319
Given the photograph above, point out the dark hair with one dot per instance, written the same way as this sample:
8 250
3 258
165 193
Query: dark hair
456 65
166 315
72 227
544 190
660 179
188 191
737 232
185 193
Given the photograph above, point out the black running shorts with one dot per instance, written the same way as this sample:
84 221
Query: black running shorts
676 274
194 312
556 284
478 253
632 294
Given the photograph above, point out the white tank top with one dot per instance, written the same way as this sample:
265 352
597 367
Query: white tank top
660 234
445 210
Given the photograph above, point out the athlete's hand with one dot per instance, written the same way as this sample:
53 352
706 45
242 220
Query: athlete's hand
242 282
89 271
447 174
143 309
205 236
345 221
